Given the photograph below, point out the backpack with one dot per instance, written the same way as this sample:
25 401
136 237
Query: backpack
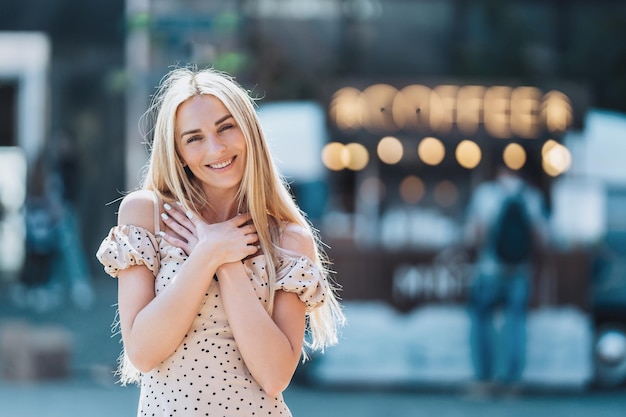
513 235
41 231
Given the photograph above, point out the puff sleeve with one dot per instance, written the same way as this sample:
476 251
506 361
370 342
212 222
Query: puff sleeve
127 246
300 276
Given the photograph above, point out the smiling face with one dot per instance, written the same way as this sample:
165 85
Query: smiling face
211 145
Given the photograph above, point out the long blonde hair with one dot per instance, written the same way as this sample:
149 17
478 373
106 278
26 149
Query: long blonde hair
263 191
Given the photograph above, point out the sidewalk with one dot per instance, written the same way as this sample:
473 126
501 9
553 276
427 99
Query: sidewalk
70 398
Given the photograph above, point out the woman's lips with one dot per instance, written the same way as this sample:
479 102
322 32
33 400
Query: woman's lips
222 165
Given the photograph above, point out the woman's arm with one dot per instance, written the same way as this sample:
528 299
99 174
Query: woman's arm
270 346
153 327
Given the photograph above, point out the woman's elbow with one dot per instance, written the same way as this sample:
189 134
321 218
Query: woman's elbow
142 362
275 388
273 384
276 379
144 368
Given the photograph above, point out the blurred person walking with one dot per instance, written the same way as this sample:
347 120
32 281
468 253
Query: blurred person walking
55 256
70 268
506 224
214 303
42 214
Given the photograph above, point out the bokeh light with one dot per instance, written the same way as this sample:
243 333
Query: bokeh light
431 151
556 159
390 150
412 189
443 106
504 111
514 156
469 108
378 116
411 107
355 156
346 108
556 111
332 156
468 154
497 111
525 102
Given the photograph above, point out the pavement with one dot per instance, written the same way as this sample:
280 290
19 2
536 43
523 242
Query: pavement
380 349
86 399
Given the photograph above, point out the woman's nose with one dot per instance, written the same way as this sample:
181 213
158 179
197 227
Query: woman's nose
216 145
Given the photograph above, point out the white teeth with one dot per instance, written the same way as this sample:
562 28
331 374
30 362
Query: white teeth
221 165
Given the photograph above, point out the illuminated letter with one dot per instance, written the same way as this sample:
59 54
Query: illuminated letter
497 111
411 107
469 108
525 112
447 99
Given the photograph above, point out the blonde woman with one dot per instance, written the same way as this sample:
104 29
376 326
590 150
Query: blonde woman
219 273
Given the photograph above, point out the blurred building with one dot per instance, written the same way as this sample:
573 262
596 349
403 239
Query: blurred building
419 99
62 76
422 99
475 78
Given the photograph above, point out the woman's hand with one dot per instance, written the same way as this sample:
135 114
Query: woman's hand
180 230
229 241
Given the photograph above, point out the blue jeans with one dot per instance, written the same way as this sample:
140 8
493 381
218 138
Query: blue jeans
488 293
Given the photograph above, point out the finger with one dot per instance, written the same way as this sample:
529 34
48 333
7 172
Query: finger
252 239
176 242
180 217
241 219
248 229
176 227
252 249
181 208
256 249
193 219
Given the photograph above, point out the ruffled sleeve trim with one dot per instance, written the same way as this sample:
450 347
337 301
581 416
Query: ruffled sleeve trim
300 276
127 246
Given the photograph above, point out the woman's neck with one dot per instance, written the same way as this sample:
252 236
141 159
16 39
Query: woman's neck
220 209
223 204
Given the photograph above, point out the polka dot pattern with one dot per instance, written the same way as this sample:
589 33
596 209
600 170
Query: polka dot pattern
127 246
206 375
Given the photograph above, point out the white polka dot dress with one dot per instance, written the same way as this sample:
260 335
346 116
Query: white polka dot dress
206 375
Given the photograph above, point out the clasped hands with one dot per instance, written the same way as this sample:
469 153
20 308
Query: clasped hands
231 241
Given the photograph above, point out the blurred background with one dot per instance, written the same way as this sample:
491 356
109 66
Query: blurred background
384 115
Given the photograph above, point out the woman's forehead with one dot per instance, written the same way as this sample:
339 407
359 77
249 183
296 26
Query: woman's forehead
201 108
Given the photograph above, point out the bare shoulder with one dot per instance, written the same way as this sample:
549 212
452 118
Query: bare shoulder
298 239
137 209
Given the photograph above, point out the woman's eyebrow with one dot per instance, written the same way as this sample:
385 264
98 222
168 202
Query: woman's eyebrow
217 122
188 132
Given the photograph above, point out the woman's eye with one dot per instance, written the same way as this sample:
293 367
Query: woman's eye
225 127
193 139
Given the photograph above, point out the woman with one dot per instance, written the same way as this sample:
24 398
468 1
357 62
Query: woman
214 305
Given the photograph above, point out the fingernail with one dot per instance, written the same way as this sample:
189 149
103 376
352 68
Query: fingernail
165 216
167 206
179 203
161 233
189 214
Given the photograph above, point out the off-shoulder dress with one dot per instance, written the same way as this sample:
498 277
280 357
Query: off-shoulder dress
206 375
